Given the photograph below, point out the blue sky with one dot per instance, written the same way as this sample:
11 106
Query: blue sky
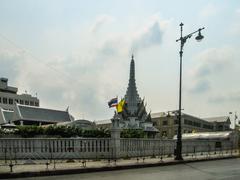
77 53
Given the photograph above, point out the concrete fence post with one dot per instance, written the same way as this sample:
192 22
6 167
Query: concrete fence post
115 138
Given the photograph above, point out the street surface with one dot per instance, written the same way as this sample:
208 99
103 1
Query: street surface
220 169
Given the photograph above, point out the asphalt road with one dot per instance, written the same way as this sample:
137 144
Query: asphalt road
220 169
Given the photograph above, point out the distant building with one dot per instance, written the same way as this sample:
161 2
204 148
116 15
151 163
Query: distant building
81 123
167 123
23 109
28 115
104 124
221 123
8 95
217 135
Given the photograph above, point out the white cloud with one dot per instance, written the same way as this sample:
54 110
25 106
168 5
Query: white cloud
100 21
234 28
150 36
211 63
238 11
230 97
10 64
86 77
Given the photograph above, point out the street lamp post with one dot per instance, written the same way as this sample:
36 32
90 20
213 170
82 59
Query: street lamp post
183 39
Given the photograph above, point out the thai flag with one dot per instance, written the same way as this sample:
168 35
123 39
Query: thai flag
113 102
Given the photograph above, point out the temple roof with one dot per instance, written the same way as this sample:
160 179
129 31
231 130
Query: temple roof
5 116
42 114
132 98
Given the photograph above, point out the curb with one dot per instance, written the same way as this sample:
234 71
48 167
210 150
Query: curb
102 169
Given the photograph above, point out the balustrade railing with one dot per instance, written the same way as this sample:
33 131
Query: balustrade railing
104 148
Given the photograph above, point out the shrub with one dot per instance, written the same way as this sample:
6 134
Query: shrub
132 133
28 131
62 131
59 131
96 133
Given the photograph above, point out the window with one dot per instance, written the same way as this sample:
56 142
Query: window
26 102
31 103
175 121
165 123
16 100
10 101
188 122
0 100
207 126
196 124
4 100
36 103
21 101
220 127
218 144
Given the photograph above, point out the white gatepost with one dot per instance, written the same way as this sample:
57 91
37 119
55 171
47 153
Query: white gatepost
115 138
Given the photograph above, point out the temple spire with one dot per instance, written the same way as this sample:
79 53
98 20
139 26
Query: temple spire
132 98
134 114
132 70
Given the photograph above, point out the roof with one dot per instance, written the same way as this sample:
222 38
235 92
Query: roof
218 119
8 125
206 135
185 115
41 114
151 129
157 114
106 121
8 115
76 122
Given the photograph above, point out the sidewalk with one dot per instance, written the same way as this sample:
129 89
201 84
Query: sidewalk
40 168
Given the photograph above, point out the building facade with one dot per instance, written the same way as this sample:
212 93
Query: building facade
167 124
221 123
8 95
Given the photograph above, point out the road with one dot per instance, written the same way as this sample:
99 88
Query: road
220 169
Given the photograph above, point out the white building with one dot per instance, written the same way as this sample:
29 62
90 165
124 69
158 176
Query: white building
23 109
8 95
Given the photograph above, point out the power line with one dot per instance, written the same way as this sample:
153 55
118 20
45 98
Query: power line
38 60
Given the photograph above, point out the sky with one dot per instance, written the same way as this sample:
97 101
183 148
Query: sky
77 53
